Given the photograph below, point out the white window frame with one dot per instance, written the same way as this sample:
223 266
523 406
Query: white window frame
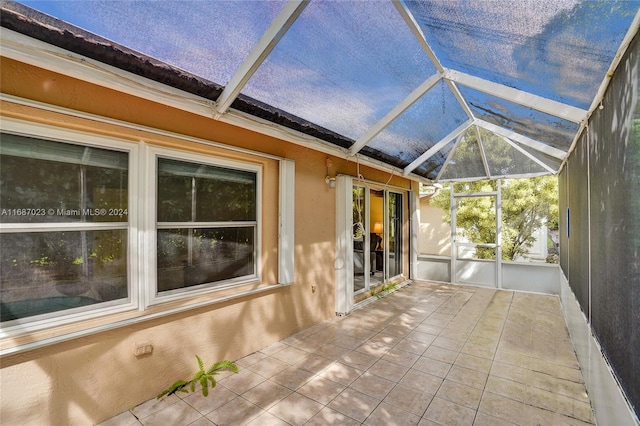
141 230
58 318
152 153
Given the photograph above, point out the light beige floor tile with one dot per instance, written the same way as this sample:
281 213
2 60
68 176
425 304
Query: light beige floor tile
534 416
501 407
572 390
432 366
242 382
409 399
562 420
510 372
448 343
358 360
179 413
217 397
412 346
400 357
238 411
507 388
293 377
460 394
268 367
388 370
202 421
541 398
273 348
421 381
421 337
354 404
251 359
483 419
466 376
474 362
267 419
372 385
441 354
321 390
449 413
296 409
389 415
123 419
266 394
313 363
153 405
290 355
574 408
341 373
328 416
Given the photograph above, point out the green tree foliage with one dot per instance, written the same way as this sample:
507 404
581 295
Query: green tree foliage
527 204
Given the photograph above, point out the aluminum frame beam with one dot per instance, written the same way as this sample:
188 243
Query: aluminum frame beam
278 28
520 97
401 107
437 147
531 143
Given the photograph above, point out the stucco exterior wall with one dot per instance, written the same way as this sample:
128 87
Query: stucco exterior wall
86 380
435 234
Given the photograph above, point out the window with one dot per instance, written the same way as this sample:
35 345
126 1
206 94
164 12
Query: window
91 229
206 224
64 216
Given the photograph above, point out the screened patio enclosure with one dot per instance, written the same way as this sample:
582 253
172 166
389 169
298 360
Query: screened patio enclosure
396 84
434 91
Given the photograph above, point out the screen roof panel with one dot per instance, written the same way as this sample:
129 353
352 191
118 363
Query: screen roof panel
505 160
207 38
559 50
421 126
342 65
345 71
536 125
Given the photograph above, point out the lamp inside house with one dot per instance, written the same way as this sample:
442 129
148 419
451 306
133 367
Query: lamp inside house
377 228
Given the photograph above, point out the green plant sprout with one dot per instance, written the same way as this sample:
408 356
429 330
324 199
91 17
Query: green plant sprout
202 376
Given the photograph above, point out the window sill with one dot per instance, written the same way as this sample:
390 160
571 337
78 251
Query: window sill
31 340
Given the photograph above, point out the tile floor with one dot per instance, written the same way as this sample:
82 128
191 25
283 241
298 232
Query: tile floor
428 354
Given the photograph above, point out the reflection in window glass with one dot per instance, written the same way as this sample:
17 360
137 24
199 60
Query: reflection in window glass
44 181
44 272
49 184
203 250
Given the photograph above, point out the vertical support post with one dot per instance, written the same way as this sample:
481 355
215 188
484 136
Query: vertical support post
286 243
344 245
454 249
414 223
499 234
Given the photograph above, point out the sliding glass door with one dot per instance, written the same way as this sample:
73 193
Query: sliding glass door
377 218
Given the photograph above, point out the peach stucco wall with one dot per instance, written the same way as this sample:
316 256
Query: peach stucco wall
89 379
435 235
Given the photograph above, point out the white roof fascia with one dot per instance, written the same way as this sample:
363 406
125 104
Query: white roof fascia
373 131
417 32
482 153
437 147
520 97
539 162
446 162
531 143
259 53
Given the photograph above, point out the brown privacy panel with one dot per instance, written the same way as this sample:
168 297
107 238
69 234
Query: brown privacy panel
577 217
614 153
